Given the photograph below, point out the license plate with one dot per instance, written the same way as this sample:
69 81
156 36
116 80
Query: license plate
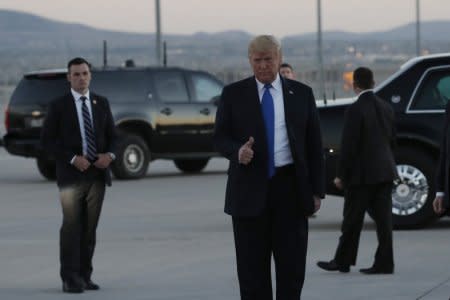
36 122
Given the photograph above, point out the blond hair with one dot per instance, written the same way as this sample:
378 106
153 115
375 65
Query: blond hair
264 43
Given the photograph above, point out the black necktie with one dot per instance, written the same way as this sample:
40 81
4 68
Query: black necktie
89 136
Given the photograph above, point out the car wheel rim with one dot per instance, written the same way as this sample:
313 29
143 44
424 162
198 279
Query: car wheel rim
410 191
133 158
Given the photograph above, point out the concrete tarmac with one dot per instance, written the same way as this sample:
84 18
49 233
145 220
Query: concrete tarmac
165 237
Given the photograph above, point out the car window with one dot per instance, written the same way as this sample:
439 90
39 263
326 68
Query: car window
434 92
205 88
121 86
444 87
40 90
171 87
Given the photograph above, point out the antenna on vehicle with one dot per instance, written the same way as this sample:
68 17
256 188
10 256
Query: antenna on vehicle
105 54
129 63
164 54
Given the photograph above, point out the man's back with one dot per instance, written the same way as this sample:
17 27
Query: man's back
367 142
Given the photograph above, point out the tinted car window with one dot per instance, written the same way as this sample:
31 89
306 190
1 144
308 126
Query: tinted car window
444 87
39 90
121 86
205 88
434 92
171 87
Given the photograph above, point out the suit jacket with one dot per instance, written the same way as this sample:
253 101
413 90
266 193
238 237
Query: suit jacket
442 171
239 116
61 137
367 144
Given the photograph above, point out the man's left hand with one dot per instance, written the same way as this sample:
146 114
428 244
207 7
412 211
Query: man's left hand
438 205
103 161
338 183
317 203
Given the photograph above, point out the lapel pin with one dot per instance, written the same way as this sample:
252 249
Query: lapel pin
291 92
94 101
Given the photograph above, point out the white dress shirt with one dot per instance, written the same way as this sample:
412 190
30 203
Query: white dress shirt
363 92
283 155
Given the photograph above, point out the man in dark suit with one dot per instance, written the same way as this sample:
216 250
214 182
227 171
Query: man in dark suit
366 171
441 203
79 133
287 71
268 129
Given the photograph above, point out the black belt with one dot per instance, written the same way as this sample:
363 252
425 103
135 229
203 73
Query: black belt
285 170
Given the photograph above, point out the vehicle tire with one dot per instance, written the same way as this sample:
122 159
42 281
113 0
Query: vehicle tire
46 167
413 193
191 165
132 157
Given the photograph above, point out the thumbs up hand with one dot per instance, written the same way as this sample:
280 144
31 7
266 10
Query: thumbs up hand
246 152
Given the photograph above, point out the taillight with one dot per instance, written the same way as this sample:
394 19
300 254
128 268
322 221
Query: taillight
7 118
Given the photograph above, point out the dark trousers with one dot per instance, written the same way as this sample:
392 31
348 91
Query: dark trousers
282 231
81 205
358 199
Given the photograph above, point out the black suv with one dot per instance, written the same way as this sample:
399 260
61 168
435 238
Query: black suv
159 113
418 92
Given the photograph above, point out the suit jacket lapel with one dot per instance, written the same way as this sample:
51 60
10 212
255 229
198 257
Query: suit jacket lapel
253 99
72 116
291 111
95 113
253 96
289 103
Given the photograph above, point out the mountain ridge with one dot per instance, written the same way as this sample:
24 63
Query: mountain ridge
25 23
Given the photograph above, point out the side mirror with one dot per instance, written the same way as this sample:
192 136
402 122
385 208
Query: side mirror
215 100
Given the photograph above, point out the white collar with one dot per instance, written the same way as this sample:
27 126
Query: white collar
365 91
276 84
77 95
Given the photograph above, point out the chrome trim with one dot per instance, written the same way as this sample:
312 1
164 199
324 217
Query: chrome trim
122 120
410 191
46 71
430 111
337 102
408 110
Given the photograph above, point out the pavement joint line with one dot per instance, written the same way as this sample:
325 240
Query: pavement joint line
433 288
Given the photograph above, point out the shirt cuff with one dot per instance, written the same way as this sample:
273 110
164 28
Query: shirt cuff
439 194
112 155
72 160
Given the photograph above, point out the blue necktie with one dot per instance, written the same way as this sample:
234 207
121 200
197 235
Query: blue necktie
269 122
88 131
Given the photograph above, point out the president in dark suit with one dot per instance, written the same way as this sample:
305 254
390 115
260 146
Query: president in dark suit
79 133
268 129
366 171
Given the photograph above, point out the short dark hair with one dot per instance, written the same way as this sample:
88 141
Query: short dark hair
286 65
363 78
77 61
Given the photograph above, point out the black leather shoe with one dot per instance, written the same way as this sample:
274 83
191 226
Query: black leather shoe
90 285
377 270
72 288
332 266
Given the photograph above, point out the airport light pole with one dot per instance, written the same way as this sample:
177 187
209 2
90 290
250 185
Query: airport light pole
158 32
418 50
320 51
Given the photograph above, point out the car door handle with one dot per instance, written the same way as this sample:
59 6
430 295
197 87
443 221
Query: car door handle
205 111
166 111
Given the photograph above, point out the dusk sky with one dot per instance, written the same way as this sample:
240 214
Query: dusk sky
280 17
